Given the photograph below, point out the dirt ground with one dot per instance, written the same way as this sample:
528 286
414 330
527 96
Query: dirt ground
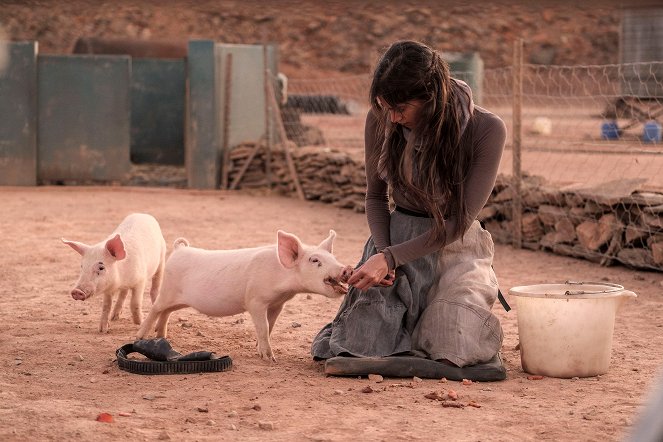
59 373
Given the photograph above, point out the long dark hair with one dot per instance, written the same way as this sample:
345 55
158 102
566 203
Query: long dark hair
431 165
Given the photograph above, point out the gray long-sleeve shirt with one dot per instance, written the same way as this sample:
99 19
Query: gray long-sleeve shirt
488 144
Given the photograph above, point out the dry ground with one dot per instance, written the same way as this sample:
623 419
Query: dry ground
58 373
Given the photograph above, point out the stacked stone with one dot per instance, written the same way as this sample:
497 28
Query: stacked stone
324 174
584 224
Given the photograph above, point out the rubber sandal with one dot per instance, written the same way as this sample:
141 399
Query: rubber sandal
165 360
409 366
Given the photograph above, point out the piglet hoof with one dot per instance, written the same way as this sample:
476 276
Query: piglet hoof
267 355
115 317
103 328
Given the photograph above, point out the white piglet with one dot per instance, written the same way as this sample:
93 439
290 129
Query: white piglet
125 261
258 280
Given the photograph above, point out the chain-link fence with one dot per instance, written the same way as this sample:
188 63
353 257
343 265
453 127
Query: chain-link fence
587 143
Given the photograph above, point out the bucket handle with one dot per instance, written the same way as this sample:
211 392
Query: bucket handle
614 288
624 296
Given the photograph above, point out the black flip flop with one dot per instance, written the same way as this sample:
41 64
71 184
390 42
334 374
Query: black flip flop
165 360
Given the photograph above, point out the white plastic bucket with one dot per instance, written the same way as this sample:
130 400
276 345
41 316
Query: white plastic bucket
565 330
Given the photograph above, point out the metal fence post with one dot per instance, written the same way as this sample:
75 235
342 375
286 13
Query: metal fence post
517 142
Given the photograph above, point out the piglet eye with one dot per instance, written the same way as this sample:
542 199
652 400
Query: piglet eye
100 266
315 261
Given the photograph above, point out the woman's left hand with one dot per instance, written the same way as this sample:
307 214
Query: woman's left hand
375 271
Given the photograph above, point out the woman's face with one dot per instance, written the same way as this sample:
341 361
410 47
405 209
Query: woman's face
405 114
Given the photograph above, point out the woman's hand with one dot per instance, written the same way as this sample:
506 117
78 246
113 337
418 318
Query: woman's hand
375 271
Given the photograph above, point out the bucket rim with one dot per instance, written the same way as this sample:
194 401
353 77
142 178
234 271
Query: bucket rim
568 290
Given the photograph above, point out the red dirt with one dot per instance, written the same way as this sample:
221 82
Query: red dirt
58 372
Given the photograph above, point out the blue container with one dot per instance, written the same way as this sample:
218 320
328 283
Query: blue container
651 132
610 130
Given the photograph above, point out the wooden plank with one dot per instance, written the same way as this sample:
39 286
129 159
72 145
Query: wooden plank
245 166
226 122
284 141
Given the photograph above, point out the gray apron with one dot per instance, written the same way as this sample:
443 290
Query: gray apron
439 306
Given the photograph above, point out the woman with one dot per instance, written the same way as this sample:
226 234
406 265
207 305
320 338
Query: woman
425 285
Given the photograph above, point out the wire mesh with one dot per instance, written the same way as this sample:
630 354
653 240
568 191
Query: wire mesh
591 155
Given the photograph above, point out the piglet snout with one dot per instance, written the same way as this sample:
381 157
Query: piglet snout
78 294
347 273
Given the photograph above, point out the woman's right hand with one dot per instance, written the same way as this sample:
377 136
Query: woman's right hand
375 271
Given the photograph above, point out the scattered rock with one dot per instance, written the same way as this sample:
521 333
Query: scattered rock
105 417
375 378
466 382
417 379
367 389
257 407
295 325
202 409
266 425
452 404
232 413
164 435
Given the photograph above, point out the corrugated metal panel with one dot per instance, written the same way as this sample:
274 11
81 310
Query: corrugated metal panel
202 147
158 88
84 117
18 116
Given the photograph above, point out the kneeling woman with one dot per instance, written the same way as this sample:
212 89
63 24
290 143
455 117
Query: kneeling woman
425 285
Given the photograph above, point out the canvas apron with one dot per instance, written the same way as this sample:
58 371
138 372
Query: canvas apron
439 306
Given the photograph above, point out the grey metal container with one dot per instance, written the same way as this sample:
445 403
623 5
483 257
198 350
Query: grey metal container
641 52
467 66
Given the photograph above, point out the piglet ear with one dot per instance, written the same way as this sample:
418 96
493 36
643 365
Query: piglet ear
328 244
78 246
115 247
289 249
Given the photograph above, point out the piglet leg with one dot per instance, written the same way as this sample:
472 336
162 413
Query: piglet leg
137 302
259 316
157 281
118 304
162 323
272 314
148 323
105 312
